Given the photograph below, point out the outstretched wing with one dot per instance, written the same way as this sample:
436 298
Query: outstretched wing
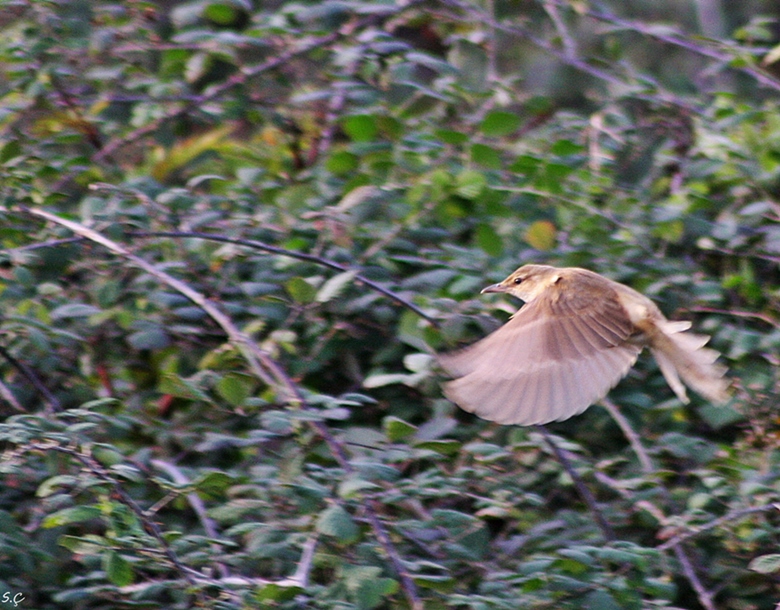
550 361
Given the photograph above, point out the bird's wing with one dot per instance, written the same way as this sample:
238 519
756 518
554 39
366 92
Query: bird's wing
552 360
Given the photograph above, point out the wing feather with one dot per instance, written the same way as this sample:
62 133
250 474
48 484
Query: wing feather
550 361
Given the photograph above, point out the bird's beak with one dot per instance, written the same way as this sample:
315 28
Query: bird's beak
494 288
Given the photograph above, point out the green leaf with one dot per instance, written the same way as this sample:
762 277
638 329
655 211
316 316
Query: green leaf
564 148
469 184
601 600
374 592
766 564
118 569
379 380
541 235
235 388
10 150
489 240
276 593
214 483
107 455
150 338
75 514
452 137
55 484
486 156
396 428
354 486
499 123
342 162
183 388
337 522
367 586
720 416
74 310
361 127
445 447
300 290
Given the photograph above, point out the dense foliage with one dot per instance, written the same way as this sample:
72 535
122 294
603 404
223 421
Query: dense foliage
234 234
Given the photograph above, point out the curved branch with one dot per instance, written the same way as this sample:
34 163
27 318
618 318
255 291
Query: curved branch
732 516
311 258
563 458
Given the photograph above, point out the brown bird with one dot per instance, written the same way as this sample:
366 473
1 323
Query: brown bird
577 335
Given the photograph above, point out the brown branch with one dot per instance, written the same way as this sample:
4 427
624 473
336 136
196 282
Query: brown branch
676 39
680 39
52 402
197 505
569 46
628 432
753 315
732 516
704 596
311 258
585 493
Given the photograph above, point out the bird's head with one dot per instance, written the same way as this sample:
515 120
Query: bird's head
528 282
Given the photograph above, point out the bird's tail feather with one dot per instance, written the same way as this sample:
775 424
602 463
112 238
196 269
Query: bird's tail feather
680 354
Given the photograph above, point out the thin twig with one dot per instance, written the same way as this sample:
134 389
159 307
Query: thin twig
197 504
7 395
569 46
91 464
52 243
261 363
628 432
752 315
324 262
732 516
680 39
335 106
240 78
52 402
702 594
582 489
299 579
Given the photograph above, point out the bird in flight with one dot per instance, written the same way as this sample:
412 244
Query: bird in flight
577 335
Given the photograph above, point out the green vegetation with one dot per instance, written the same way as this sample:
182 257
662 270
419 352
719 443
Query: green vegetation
234 234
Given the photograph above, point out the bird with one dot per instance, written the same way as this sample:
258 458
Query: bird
574 339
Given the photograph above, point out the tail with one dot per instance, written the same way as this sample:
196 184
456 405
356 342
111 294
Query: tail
681 354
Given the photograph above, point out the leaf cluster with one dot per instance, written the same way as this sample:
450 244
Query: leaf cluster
235 234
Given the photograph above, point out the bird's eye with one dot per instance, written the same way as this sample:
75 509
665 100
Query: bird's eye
518 280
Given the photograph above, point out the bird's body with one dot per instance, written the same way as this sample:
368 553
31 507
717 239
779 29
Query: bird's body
577 335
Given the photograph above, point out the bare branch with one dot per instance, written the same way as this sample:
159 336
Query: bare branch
703 595
569 46
585 493
258 245
52 402
628 432
732 516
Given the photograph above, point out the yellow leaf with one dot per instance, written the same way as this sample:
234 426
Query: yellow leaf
182 153
541 235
